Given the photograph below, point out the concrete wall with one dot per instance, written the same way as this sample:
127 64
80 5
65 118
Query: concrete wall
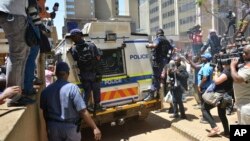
24 125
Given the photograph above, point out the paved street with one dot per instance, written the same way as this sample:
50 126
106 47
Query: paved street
159 127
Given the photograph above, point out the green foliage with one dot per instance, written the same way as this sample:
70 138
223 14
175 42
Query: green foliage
199 2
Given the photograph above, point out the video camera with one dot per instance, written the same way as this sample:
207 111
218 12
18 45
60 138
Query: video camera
225 59
194 29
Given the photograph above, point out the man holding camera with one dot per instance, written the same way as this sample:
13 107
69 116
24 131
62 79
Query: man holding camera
195 34
214 43
161 54
242 86
232 21
177 78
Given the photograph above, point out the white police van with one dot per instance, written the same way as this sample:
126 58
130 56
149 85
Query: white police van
126 66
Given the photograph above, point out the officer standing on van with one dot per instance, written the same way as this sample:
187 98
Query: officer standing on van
161 55
88 59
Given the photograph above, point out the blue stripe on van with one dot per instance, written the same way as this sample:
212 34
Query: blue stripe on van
136 41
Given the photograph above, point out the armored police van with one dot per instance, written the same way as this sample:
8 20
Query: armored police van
126 70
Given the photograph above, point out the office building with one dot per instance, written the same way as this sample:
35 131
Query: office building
79 12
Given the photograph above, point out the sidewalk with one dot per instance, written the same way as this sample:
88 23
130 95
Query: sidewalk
191 128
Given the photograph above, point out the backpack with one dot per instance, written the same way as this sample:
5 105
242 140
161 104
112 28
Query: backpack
166 48
86 57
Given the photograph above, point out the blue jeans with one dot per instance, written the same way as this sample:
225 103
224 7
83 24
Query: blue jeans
18 49
29 74
30 70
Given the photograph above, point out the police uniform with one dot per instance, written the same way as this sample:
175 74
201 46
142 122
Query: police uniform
61 103
89 70
159 59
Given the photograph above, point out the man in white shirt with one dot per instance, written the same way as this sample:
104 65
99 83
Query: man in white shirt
242 86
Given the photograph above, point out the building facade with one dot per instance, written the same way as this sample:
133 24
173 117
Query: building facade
176 17
79 12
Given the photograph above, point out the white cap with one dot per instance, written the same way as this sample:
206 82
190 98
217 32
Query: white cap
212 30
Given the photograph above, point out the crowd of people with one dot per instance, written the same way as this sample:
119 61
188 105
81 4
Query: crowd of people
230 78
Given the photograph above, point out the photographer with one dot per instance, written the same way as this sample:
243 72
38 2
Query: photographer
195 34
232 21
241 86
223 84
214 43
177 76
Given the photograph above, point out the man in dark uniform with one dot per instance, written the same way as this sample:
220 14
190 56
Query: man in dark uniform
88 59
161 54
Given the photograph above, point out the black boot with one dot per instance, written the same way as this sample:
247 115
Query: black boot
99 108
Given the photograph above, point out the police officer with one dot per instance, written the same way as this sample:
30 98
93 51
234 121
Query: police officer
87 57
63 106
161 54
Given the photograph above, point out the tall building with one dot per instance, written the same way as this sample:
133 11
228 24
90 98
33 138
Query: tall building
79 12
176 17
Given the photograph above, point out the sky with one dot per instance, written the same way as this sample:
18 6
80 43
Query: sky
59 19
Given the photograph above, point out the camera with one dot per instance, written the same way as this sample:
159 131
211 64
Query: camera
225 59
194 29
237 52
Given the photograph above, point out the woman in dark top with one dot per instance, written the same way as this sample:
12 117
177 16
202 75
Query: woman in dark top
223 84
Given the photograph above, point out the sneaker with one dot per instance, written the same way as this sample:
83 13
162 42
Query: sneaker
174 116
228 111
99 108
21 101
170 111
203 121
149 97
158 111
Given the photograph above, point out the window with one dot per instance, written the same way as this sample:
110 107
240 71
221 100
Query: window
112 62
70 12
152 1
70 6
